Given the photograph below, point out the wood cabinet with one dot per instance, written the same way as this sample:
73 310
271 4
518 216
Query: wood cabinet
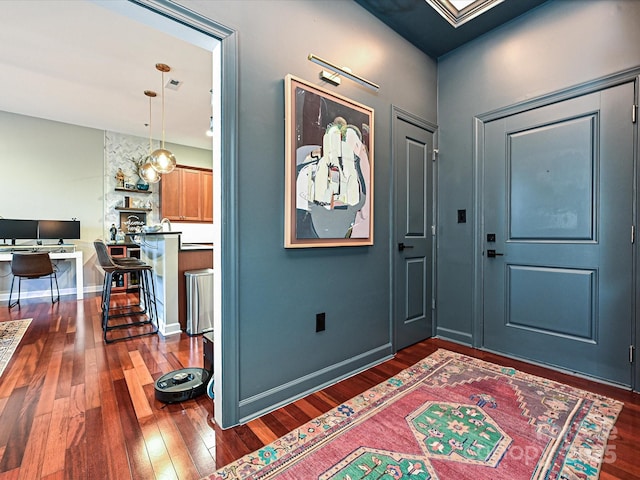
170 194
207 196
186 195
124 282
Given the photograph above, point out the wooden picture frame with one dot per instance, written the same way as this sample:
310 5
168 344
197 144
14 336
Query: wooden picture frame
329 186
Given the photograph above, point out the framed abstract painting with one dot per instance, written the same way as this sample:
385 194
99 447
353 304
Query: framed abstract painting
328 168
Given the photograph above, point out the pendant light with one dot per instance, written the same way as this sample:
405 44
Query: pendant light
146 171
161 159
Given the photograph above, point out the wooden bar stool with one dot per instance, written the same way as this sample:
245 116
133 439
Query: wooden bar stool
146 306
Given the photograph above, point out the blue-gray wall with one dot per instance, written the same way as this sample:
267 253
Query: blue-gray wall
280 291
558 45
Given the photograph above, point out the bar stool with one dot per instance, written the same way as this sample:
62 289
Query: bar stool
146 306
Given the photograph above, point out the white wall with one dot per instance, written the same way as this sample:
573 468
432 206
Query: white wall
191 156
53 170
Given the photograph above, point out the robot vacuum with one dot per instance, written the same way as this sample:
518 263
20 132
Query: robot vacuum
181 385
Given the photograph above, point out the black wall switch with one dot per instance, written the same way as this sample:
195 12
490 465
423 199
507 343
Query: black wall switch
462 216
320 317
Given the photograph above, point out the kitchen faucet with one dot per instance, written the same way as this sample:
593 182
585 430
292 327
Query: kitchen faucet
167 221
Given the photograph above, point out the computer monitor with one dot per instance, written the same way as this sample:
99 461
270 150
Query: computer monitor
58 229
18 229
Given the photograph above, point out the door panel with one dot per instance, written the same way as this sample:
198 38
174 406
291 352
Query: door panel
552 171
416 308
571 313
191 194
413 284
558 194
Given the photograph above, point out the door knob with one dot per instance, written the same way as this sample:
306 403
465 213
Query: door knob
402 246
493 254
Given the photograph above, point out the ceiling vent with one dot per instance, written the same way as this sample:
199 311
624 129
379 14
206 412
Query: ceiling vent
173 84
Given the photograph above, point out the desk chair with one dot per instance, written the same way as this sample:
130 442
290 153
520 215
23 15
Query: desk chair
146 306
31 266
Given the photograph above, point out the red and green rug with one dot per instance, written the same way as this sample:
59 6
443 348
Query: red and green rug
447 417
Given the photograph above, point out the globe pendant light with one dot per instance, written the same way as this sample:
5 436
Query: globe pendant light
146 171
162 159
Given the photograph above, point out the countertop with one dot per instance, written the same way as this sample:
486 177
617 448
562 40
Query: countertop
158 233
129 238
195 246
184 246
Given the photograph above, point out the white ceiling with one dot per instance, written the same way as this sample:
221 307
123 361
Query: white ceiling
78 62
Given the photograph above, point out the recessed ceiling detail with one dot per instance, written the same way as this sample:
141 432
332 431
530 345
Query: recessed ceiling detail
458 12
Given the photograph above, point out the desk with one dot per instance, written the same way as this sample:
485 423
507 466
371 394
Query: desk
77 256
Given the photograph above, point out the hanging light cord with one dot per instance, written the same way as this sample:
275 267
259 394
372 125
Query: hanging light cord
150 94
162 160
150 144
162 109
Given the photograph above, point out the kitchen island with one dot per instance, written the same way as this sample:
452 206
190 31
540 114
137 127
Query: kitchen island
160 250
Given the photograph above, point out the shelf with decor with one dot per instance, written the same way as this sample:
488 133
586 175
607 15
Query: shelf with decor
132 209
123 282
132 190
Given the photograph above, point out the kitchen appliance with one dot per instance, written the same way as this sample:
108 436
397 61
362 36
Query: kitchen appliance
181 385
199 301
187 383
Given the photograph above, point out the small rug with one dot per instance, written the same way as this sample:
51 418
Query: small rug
11 333
449 416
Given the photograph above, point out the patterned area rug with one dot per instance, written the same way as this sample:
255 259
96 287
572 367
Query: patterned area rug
11 333
447 417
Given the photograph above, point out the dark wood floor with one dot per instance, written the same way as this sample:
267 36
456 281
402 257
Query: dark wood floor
72 407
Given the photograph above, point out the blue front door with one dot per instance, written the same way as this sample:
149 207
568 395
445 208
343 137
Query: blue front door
558 212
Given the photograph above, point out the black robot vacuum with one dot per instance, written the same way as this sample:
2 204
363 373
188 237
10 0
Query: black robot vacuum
181 385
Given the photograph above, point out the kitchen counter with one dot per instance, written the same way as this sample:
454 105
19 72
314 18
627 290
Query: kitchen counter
159 233
160 250
196 246
170 259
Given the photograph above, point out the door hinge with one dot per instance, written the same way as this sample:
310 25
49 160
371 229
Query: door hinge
433 230
433 304
633 234
434 157
631 353
634 113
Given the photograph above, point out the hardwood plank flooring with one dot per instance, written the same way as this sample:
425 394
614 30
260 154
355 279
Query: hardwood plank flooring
73 407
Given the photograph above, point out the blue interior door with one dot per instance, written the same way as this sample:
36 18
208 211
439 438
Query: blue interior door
413 257
558 214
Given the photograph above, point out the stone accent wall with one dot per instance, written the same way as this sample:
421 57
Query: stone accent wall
120 149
